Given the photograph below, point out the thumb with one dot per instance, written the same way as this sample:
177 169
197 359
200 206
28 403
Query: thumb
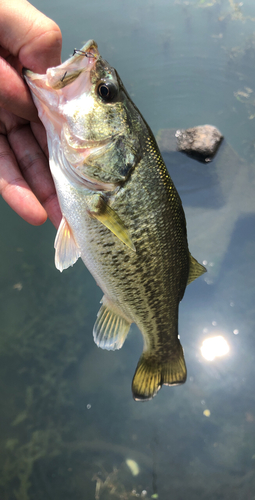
28 34
35 41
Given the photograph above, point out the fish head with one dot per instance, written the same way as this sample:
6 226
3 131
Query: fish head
76 92
61 85
84 105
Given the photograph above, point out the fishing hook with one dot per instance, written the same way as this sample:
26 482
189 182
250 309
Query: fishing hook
82 53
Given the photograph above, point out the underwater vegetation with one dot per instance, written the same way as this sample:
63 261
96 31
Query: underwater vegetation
110 485
38 357
243 58
42 429
226 10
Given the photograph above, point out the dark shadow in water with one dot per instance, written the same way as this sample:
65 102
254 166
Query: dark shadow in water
197 182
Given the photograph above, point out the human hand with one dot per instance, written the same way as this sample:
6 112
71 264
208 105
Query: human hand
27 39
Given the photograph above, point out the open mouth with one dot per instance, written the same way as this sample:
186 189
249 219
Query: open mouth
59 77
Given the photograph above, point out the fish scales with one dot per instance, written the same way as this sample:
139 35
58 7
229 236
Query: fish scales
121 212
144 274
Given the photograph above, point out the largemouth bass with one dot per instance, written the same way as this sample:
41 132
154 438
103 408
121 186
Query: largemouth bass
121 212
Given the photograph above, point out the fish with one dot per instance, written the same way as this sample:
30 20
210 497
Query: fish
121 212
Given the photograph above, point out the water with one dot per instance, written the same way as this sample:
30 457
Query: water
68 422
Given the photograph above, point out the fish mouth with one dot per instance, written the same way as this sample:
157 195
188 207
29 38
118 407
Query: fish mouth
61 84
58 77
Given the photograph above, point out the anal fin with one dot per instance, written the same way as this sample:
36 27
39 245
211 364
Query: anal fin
151 373
111 328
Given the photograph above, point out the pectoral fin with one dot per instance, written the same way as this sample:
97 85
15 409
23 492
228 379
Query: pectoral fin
107 216
195 269
111 328
66 250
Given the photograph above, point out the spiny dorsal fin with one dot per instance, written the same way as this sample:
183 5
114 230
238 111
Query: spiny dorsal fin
195 269
111 328
151 374
66 250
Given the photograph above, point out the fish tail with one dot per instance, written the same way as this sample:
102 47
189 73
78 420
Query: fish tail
151 373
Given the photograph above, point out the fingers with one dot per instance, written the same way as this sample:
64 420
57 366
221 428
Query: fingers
15 190
14 95
35 41
25 180
34 167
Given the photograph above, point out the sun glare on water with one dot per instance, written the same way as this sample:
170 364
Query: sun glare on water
214 347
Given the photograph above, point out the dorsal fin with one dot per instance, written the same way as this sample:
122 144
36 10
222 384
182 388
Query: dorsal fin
195 269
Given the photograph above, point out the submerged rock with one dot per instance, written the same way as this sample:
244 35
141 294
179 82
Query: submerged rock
199 142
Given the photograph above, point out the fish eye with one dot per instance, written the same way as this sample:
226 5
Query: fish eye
107 91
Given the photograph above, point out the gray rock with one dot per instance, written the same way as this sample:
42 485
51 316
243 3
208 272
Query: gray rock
203 141
199 142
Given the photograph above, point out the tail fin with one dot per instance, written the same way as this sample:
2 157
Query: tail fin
151 373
